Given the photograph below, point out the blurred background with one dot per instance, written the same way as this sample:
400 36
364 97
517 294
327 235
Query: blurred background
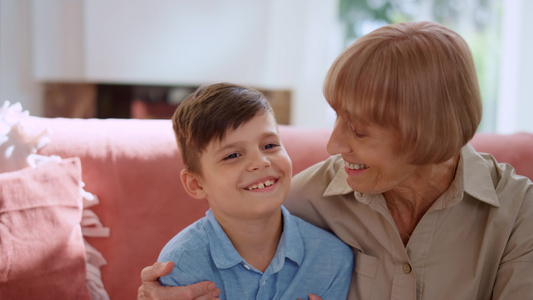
140 58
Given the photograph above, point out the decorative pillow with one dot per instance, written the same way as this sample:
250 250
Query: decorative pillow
23 203
41 245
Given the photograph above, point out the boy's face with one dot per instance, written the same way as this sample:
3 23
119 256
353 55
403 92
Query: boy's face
246 175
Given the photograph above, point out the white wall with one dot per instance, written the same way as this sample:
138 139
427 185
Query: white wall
515 104
16 63
320 44
179 41
58 40
274 44
295 47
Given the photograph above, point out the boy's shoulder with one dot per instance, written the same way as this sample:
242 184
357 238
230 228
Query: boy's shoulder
319 237
190 240
309 230
190 250
322 247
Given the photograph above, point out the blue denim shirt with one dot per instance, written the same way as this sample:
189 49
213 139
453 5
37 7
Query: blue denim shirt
307 260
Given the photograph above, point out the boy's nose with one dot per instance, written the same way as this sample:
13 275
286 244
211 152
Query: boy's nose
258 161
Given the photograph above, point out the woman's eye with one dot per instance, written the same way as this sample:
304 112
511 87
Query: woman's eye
359 135
232 156
355 132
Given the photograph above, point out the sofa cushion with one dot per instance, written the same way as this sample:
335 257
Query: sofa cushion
515 149
42 252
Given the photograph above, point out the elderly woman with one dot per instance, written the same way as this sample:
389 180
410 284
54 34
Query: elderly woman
426 215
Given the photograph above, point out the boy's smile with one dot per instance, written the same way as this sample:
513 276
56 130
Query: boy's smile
262 184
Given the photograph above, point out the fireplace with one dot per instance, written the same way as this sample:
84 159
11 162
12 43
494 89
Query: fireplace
139 101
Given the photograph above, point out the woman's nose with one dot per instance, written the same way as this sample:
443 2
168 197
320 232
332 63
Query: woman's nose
338 141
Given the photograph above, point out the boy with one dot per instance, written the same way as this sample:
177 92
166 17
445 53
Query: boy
248 244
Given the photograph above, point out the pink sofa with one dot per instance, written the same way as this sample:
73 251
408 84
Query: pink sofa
132 166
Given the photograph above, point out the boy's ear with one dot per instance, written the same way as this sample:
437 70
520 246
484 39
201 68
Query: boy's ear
192 185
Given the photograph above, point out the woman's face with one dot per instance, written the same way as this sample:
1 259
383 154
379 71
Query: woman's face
371 161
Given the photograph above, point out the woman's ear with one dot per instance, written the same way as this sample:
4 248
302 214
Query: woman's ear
192 184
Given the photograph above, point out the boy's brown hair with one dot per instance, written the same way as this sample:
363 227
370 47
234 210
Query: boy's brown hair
208 113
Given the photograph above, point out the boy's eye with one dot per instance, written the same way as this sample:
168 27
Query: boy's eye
232 156
270 146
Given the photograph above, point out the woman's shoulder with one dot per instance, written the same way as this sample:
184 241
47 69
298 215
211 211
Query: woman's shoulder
486 178
315 179
504 176
309 186
324 169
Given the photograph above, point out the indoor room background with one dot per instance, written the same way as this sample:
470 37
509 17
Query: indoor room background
139 59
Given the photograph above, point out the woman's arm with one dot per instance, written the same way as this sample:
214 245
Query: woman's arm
152 289
515 275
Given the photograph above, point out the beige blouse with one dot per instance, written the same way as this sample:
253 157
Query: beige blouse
475 242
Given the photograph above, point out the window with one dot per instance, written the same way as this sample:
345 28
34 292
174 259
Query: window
477 21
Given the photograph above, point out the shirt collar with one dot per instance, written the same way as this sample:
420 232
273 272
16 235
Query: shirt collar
290 245
225 255
338 185
472 172
223 252
477 179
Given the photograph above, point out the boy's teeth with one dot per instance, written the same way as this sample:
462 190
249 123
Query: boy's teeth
355 166
261 185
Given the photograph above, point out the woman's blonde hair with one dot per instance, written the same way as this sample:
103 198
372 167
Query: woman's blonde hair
417 78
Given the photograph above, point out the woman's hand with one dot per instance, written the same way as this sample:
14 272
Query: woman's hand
313 297
152 289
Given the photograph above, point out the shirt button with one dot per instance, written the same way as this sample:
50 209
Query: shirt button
247 267
264 282
407 268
